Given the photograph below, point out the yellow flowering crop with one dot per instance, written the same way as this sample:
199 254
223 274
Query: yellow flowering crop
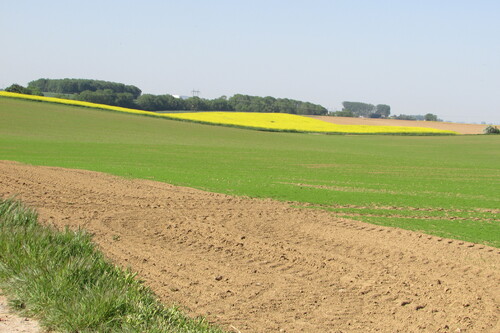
266 121
290 122
72 102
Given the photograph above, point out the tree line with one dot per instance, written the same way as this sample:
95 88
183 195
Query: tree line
359 109
18 89
238 102
426 117
129 96
118 94
77 86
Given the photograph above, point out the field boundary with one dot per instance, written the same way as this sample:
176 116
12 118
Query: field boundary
61 279
259 265
460 128
175 116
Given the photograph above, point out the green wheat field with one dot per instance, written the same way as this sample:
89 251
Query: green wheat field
441 185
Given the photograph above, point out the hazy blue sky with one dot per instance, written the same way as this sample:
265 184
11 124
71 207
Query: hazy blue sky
441 57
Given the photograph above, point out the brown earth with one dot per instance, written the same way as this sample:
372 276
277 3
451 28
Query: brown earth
12 323
459 128
262 266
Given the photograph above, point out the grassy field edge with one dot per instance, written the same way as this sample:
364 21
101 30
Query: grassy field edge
62 280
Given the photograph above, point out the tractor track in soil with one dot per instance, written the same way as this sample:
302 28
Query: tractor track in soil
258 265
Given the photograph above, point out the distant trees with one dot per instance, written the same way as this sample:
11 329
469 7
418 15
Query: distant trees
430 117
343 113
491 130
238 102
405 117
220 104
17 88
196 103
108 97
150 102
427 117
246 103
119 94
358 109
383 111
94 91
77 86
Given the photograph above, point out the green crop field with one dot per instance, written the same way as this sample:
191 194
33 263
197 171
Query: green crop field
446 185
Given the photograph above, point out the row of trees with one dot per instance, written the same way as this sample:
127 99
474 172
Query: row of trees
16 88
426 117
245 103
238 102
118 94
150 102
78 86
358 109
108 97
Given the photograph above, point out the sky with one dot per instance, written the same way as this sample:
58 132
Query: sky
427 56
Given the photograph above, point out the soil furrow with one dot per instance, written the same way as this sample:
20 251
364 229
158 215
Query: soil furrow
263 266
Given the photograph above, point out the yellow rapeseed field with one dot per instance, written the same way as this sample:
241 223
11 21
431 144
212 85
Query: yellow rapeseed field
290 122
264 121
72 102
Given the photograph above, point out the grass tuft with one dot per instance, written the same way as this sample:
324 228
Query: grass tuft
60 278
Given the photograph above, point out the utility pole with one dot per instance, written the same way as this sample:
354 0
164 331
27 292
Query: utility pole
196 93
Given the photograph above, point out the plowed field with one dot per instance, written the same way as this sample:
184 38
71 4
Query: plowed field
457 127
262 266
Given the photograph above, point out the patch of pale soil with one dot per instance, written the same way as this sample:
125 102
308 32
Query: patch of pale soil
459 128
12 323
263 266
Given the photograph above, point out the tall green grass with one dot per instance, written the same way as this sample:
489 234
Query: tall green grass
457 174
61 279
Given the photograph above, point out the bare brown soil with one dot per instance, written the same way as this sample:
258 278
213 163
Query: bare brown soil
459 128
261 266
12 323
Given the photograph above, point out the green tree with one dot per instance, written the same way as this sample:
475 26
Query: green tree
404 117
125 100
220 104
491 130
359 109
245 103
147 102
343 113
105 96
383 110
17 88
78 86
430 117
196 103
